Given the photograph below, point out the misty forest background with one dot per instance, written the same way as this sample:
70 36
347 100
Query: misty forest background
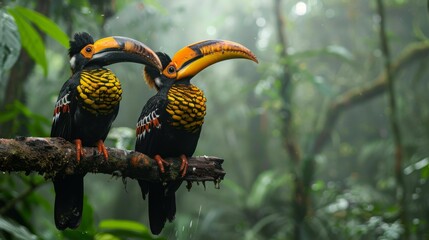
327 138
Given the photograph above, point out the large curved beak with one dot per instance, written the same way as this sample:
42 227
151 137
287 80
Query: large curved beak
117 49
193 58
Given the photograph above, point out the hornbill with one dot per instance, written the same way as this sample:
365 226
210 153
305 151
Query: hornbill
87 105
170 122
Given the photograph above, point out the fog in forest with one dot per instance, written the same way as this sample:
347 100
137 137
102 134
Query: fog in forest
325 138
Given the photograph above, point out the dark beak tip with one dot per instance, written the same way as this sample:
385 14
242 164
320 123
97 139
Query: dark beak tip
254 59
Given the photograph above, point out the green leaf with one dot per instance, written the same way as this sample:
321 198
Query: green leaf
340 51
123 229
260 188
416 166
123 225
44 24
18 231
425 173
267 220
266 183
30 39
35 123
22 108
318 185
106 236
8 115
10 43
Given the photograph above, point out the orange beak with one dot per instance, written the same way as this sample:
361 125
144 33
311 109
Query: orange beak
116 49
192 59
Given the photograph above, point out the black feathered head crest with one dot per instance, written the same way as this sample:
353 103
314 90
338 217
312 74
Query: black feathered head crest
150 73
165 59
80 40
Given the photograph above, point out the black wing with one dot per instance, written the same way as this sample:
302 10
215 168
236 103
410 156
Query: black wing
150 125
64 110
68 190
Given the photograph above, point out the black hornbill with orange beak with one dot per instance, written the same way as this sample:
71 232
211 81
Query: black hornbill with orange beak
86 107
170 122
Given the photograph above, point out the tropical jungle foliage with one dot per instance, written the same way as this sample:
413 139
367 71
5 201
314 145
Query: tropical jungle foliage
327 138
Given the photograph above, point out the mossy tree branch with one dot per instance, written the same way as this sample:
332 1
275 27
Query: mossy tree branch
55 157
412 53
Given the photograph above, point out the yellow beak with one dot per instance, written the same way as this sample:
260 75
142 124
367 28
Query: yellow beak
192 59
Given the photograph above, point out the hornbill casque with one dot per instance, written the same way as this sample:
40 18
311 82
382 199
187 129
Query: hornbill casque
87 105
170 122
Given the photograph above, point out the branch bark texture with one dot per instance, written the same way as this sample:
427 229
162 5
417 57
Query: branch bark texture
55 156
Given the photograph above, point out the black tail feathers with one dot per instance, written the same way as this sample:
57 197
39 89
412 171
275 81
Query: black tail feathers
68 201
162 203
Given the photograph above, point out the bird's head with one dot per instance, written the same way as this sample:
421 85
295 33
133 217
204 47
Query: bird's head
192 59
84 52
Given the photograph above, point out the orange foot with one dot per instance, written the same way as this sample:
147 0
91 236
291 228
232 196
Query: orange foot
184 165
102 149
79 150
160 161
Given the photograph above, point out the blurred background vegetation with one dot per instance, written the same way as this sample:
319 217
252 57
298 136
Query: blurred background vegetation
306 135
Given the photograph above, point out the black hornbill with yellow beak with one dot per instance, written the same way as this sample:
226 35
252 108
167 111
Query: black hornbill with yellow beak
86 107
170 122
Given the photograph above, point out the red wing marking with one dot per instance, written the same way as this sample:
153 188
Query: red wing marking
61 106
147 123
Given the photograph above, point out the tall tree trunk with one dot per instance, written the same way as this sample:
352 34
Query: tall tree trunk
300 194
394 123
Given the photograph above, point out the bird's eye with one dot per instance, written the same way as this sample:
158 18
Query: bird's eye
171 69
88 49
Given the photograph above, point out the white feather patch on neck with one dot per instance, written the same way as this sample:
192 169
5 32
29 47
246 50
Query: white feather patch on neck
158 82
73 62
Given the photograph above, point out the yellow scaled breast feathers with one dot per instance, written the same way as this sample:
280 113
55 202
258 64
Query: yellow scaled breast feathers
186 106
99 91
